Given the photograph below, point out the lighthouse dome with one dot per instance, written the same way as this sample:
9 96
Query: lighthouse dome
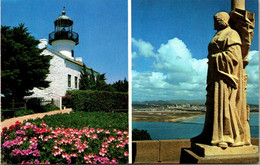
63 20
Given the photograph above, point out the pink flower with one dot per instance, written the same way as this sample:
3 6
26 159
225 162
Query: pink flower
120 146
92 130
55 147
60 149
113 161
36 161
36 153
65 155
16 152
73 155
103 151
120 138
20 132
104 145
107 132
119 133
33 140
126 141
126 153
7 144
57 152
99 130
91 155
43 124
94 136
88 161
68 160
80 150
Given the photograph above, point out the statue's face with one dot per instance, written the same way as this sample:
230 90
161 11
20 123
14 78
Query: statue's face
217 25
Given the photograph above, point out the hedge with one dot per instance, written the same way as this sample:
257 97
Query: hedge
89 100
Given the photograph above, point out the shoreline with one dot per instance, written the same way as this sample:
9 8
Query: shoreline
167 116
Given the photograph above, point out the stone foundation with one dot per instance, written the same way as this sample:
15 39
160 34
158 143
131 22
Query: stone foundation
202 153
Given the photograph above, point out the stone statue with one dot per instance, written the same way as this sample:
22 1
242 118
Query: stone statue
227 114
226 134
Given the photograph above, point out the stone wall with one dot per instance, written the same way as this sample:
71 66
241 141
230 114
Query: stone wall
165 151
59 70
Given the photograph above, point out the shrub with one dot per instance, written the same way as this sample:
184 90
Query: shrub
50 107
88 100
6 114
140 135
23 112
35 104
66 101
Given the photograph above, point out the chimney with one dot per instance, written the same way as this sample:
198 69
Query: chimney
79 59
43 43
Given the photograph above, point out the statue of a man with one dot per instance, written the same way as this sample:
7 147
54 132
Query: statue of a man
226 122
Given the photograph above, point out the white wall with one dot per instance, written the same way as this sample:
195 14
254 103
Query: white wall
64 46
59 70
73 70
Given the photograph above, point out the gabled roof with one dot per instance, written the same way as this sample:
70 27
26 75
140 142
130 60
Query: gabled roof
68 59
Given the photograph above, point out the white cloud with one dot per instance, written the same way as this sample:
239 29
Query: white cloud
180 76
177 75
144 48
173 57
134 55
253 76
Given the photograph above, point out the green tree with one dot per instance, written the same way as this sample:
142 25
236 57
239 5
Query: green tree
96 81
87 80
23 67
92 81
121 86
101 84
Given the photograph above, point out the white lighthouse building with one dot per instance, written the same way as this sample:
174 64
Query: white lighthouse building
64 68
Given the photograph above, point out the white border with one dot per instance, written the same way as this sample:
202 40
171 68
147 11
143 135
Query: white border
130 83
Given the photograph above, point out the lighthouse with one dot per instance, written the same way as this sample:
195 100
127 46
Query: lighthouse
63 39
65 70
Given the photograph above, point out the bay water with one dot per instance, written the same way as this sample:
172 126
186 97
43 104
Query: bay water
186 129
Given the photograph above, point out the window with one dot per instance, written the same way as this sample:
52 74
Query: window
69 80
76 82
72 53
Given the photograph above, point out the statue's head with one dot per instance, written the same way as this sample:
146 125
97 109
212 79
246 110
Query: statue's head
221 20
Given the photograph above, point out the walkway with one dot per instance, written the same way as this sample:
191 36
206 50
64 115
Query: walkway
9 122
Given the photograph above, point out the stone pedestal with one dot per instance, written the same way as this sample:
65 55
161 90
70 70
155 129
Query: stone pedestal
202 153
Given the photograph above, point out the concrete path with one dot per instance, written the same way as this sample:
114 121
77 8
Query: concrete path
9 122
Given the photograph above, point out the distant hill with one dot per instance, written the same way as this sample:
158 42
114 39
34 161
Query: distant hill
163 102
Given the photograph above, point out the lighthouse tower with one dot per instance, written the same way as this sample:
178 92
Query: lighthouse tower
63 39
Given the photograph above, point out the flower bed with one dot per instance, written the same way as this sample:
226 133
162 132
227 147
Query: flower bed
29 144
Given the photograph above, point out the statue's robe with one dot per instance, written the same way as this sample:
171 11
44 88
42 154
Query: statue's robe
226 112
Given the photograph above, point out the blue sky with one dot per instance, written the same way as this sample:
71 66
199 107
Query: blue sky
169 48
101 25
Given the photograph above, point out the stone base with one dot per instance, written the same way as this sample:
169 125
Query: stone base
202 153
188 156
207 150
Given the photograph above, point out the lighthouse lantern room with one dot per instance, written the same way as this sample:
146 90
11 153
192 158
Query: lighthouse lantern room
63 39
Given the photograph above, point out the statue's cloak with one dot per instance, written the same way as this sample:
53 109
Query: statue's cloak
227 114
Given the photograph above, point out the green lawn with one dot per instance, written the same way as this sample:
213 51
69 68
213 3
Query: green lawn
80 119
